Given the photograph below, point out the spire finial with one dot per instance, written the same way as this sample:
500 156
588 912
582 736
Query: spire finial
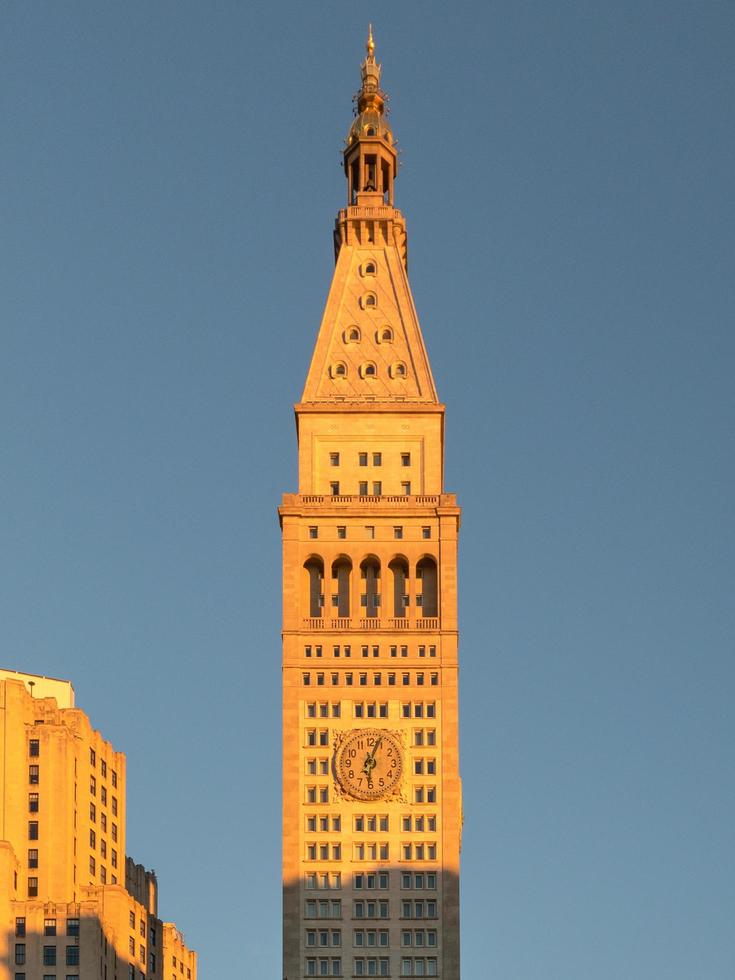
370 43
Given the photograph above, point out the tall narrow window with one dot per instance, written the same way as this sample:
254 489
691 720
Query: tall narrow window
399 568
426 571
315 572
370 599
341 570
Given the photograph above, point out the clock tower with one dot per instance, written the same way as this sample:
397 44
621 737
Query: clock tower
372 811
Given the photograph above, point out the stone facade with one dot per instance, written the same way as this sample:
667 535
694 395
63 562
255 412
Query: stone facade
370 863
71 903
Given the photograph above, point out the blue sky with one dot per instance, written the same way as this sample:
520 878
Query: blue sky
170 174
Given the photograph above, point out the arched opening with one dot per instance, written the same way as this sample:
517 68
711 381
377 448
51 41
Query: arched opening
399 568
370 596
341 570
428 599
315 573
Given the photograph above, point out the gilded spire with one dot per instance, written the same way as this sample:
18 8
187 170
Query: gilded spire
370 117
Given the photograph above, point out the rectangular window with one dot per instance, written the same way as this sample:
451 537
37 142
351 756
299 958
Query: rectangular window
425 532
342 532
20 953
313 532
92 758
398 533
406 488
377 488
34 747
370 529
33 830
20 927
377 459
114 778
33 775
405 459
32 887
363 488
334 488
363 459
72 956
33 863
334 459
33 802
49 956
72 927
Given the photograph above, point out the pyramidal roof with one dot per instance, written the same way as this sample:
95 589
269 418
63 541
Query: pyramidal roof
369 347
369 344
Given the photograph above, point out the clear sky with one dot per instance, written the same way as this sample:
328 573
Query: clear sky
170 174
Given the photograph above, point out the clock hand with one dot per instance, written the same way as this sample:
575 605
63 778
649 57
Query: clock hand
370 762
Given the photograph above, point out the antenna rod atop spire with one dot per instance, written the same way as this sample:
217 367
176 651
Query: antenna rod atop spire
370 43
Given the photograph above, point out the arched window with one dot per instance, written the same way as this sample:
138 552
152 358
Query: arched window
368 301
397 370
429 596
399 568
369 370
338 370
315 577
341 570
370 596
385 335
370 269
352 335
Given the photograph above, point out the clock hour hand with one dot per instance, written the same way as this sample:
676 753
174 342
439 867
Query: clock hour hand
370 762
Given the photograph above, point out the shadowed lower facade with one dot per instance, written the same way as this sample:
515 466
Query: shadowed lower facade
372 808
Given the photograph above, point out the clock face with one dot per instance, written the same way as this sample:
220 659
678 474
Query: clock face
369 763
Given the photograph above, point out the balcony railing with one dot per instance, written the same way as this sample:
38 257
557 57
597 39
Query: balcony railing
371 623
421 500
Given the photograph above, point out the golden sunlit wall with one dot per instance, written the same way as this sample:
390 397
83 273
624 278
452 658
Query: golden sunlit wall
71 902
371 788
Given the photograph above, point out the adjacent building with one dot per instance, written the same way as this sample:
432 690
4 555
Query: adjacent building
72 904
371 789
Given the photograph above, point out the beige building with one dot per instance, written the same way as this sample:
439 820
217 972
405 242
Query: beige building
372 808
72 905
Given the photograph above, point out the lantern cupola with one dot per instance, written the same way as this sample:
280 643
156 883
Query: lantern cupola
370 157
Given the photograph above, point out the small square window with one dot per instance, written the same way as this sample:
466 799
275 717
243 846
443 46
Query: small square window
363 458
334 488
405 459
342 533
377 459
370 530
398 533
425 532
334 459
313 532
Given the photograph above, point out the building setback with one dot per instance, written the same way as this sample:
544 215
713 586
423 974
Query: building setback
72 905
371 787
